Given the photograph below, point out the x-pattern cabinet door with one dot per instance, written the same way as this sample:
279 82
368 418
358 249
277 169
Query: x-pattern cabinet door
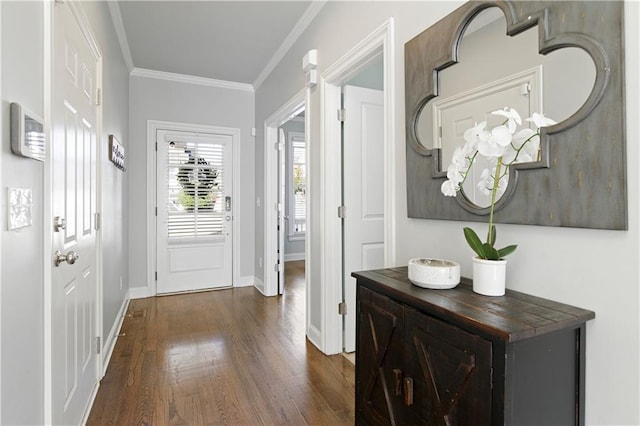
379 374
451 373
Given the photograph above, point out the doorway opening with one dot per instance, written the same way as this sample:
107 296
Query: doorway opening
292 198
338 332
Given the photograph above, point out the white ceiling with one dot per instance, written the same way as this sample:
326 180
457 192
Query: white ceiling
236 41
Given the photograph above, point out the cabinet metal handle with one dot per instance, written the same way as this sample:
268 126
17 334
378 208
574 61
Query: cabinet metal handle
397 375
408 391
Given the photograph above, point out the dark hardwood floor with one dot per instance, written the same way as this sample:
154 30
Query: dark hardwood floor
226 357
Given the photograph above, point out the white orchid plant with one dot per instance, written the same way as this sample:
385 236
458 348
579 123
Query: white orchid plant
503 146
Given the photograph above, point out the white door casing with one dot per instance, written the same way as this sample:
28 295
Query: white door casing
269 285
195 211
74 158
363 193
282 225
380 41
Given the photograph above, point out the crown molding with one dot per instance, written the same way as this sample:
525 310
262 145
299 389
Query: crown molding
116 18
190 79
296 32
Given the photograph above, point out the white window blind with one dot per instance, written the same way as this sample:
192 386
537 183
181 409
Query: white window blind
299 187
195 202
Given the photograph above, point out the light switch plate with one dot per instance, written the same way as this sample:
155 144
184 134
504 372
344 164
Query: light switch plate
20 206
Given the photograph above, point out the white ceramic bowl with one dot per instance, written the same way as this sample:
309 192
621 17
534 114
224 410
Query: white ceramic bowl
434 273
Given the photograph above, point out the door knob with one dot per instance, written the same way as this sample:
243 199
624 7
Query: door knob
70 257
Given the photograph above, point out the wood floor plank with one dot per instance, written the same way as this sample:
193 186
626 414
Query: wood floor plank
226 357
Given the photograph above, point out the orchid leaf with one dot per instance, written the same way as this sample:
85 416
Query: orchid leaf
490 253
474 241
492 233
507 250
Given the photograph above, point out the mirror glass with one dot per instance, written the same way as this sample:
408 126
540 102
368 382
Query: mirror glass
497 71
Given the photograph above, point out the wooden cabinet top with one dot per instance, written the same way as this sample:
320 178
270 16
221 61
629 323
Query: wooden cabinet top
512 317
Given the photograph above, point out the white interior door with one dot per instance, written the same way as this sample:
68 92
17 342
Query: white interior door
74 294
363 193
282 225
194 223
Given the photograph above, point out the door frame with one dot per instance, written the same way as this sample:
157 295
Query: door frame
152 127
270 255
49 28
380 42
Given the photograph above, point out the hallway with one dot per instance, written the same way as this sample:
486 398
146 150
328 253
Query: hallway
223 357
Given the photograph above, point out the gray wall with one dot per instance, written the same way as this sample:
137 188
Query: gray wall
22 304
154 99
22 334
605 280
291 247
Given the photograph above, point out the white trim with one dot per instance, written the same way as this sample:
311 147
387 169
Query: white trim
139 293
109 343
259 285
116 17
49 29
531 75
87 409
189 79
2 184
271 124
289 257
294 34
315 336
152 127
47 213
380 41
246 281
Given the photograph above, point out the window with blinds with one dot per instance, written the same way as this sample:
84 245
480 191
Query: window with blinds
298 195
195 179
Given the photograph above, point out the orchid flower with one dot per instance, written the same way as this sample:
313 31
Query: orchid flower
503 146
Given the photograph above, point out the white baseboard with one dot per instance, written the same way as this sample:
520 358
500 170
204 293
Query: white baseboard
293 256
110 341
139 292
257 283
245 281
315 337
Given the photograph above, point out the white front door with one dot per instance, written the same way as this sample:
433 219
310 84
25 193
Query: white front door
194 224
363 193
74 356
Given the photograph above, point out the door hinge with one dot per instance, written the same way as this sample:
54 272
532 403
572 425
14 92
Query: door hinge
156 211
156 146
98 347
341 212
276 267
278 146
440 131
342 308
98 97
97 218
342 114
156 275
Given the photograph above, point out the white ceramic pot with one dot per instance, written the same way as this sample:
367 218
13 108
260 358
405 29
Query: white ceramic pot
489 276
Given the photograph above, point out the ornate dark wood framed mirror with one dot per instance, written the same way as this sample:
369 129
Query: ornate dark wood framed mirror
579 178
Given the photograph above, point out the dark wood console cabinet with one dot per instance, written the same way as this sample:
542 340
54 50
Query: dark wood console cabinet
454 357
